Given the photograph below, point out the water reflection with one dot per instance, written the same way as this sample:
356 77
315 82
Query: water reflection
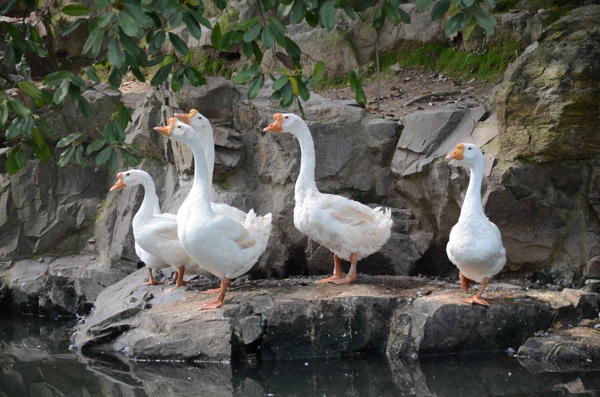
35 361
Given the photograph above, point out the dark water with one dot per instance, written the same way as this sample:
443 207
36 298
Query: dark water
35 360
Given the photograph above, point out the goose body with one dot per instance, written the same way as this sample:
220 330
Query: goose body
155 234
349 229
204 129
475 244
224 246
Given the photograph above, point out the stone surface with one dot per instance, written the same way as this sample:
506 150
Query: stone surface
298 319
548 99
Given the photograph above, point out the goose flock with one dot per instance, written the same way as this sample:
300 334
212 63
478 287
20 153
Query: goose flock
227 241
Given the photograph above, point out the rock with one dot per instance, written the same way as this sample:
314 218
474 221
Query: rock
541 119
296 318
569 350
592 269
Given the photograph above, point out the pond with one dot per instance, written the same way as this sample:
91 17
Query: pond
35 360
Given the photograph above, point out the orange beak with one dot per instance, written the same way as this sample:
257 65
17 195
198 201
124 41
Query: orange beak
276 126
458 154
120 184
186 117
166 130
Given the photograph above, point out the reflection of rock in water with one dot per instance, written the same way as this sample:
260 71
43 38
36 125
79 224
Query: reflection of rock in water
35 361
489 375
183 379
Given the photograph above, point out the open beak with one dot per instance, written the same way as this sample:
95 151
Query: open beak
120 184
457 154
166 130
276 126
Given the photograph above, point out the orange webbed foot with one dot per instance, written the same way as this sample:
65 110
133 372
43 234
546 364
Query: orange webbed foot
476 301
152 282
346 280
211 305
210 291
331 279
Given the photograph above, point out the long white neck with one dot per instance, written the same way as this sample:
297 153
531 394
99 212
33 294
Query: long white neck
472 204
200 191
208 143
150 205
306 178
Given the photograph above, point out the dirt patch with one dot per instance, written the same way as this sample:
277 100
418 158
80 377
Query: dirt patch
409 84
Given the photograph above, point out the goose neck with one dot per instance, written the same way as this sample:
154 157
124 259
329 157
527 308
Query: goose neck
150 204
200 191
306 178
472 204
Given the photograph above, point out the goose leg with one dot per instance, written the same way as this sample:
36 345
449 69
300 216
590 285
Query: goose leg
477 298
211 290
151 281
464 282
219 301
337 271
179 280
352 275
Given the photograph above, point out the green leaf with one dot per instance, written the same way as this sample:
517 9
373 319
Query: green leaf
215 36
9 55
318 71
404 17
247 73
104 155
177 80
254 87
94 41
6 6
95 146
91 73
312 19
440 9
161 75
109 133
195 77
192 26
485 20
178 44
75 10
61 93
115 78
221 4
468 3
85 108
252 33
16 160
268 4
363 5
120 131
327 15
116 56
3 114
20 108
267 37
70 28
456 23
74 93
56 78
127 23
292 49
78 81
287 96
157 41
43 152
302 90
69 139
280 82
106 19
422 5
66 156
79 156
356 86
31 89
243 25
15 128
128 158
113 162
297 13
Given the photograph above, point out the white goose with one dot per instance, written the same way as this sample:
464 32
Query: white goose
225 247
475 244
203 127
155 233
349 229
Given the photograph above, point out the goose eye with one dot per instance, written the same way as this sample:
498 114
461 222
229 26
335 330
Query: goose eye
469 148
287 117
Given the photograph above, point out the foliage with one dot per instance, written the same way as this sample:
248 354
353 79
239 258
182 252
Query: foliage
129 36
488 66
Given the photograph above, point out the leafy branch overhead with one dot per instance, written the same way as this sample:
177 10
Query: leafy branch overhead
129 36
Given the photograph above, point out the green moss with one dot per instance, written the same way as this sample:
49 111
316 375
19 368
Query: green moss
209 63
331 82
460 65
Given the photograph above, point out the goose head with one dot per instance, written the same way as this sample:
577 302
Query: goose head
196 120
178 131
467 152
285 122
129 178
